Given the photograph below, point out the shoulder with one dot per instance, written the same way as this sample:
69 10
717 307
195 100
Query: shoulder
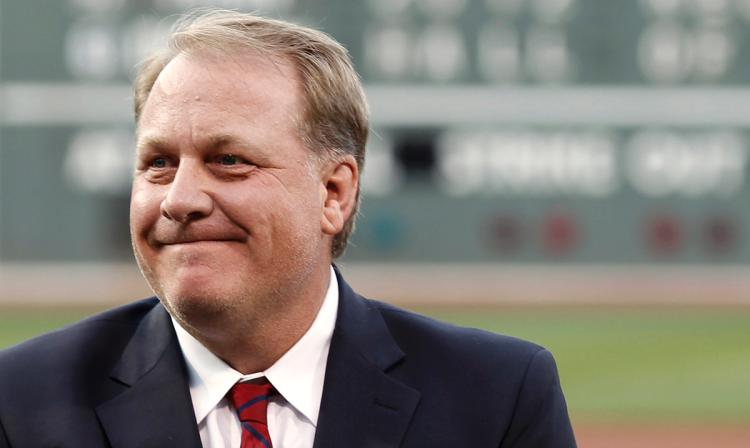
416 332
83 346
429 345
439 351
65 375
515 381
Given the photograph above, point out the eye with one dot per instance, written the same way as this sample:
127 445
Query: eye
228 164
159 162
229 160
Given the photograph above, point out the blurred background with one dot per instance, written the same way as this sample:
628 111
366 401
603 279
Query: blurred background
573 172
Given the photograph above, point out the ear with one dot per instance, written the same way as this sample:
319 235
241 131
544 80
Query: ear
341 181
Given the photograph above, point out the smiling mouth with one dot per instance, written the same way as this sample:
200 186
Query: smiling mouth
163 235
197 242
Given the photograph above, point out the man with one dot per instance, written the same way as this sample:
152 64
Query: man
250 141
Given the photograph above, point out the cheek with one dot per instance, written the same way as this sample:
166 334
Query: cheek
301 220
279 221
144 209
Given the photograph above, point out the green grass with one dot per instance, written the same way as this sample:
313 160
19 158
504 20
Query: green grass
17 325
659 365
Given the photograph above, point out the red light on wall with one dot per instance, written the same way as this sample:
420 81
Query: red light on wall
720 234
504 233
560 233
664 234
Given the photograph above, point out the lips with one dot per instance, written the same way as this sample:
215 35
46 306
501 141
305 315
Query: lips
168 235
193 241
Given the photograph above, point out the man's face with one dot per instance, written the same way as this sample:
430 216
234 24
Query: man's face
227 203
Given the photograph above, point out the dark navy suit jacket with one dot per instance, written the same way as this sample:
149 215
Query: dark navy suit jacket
394 379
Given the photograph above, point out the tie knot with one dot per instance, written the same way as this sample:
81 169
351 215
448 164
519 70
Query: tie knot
250 400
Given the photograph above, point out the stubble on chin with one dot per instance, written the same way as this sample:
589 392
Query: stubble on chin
201 314
213 314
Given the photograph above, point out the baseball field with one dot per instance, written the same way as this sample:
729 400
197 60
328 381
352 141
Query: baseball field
633 377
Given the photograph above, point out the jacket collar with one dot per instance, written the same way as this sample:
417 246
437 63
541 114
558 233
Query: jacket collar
154 406
362 404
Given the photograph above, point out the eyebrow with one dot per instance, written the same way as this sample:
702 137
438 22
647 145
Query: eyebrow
211 142
150 142
222 140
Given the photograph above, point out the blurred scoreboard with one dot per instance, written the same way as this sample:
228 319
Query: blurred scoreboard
513 131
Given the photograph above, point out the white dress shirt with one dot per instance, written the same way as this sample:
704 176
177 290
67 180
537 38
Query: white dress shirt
298 377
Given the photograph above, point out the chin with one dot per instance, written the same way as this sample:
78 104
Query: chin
198 309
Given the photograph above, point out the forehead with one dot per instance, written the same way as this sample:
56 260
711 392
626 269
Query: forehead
211 87
235 64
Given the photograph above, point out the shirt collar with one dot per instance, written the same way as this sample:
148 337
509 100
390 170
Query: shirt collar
298 375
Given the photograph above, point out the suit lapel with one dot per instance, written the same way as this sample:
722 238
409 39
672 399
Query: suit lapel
154 407
362 405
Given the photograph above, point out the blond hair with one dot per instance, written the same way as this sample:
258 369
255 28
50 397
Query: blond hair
335 115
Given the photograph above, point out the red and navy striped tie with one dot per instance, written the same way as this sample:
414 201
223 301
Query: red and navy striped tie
250 399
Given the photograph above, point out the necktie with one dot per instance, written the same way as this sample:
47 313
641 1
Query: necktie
250 400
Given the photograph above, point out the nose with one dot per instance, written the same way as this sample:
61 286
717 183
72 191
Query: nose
187 199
